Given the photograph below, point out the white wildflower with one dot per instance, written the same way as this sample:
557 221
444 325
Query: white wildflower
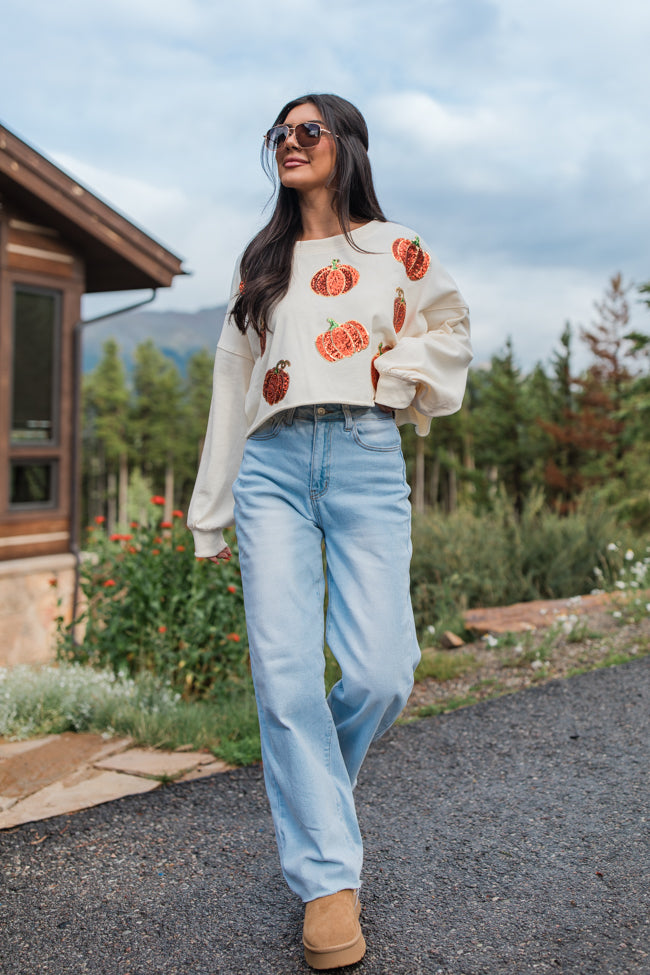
629 555
612 547
491 640
536 664
431 629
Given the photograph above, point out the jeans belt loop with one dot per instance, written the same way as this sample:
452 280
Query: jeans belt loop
287 416
347 413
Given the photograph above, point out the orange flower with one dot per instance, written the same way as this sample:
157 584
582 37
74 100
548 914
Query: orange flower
177 513
109 583
180 548
134 524
132 549
165 524
235 637
231 589
162 629
115 537
100 519
127 538
155 551
157 499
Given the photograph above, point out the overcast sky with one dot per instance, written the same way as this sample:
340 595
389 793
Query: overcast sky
513 135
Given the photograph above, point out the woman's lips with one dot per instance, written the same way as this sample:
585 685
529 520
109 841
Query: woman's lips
293 163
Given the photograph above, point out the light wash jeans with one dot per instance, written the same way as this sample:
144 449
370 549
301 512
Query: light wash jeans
332 473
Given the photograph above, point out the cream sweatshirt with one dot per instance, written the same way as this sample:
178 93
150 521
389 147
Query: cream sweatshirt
385 324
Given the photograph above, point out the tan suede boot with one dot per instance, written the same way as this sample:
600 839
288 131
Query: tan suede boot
332 934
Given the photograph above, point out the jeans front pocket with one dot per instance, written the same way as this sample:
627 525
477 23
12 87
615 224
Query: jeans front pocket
269 429
376 431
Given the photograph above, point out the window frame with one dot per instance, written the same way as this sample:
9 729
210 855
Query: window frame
54 440
53 502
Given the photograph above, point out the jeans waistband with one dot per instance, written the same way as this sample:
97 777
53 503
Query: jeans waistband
319 412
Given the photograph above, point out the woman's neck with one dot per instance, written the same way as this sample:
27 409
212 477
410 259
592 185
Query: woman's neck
319 219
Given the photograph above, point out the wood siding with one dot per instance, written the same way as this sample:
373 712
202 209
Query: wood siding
36 257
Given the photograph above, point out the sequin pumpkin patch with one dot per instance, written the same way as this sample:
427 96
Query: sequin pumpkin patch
342 340
335 279
409 253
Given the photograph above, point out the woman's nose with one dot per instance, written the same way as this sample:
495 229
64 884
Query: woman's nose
291 139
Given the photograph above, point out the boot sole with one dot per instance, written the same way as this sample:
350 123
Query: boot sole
336 957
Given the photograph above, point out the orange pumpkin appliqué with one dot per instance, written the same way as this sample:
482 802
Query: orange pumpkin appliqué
374 374
399 310
334 280
410 254
342 340
276 382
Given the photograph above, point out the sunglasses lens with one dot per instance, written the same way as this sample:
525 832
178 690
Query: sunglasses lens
276 136
308 134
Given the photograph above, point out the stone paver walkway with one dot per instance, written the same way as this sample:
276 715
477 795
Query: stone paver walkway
65 773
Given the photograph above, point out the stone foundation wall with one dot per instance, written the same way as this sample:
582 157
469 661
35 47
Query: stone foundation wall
30 590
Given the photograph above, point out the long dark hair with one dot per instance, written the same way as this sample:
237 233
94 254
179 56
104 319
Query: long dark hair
266 262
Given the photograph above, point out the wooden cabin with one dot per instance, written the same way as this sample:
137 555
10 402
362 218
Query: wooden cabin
57 242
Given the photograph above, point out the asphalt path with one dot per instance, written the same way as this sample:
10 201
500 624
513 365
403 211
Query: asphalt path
510 837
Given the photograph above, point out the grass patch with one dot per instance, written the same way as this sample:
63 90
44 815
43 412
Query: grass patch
440 707
442 665
71 697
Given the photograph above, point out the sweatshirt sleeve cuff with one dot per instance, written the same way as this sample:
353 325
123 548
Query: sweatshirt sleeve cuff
394 392
207 543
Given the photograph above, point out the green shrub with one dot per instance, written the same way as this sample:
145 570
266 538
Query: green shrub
151 606
51 700
468 559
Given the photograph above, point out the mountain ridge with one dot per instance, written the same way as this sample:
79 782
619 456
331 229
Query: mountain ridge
178 334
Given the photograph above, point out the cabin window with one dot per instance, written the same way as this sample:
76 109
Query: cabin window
34 383
32 483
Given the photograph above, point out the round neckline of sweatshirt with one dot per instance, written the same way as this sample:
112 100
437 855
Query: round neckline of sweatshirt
326 243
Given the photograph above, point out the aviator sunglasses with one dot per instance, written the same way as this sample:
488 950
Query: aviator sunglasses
307 135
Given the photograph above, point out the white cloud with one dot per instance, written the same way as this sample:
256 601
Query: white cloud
513 136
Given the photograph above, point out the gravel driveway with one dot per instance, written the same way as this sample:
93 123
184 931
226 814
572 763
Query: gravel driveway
503 839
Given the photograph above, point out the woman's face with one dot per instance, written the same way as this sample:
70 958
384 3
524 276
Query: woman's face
306 169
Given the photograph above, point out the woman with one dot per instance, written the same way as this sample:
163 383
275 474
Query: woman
340 327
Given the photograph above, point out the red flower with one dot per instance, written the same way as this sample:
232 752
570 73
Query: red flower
162 629
115 537
155 551
132 549
231 589
165 524
134 524
127 538
53 582
157 499
180 548
100 519
109 583
235 637
177 513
